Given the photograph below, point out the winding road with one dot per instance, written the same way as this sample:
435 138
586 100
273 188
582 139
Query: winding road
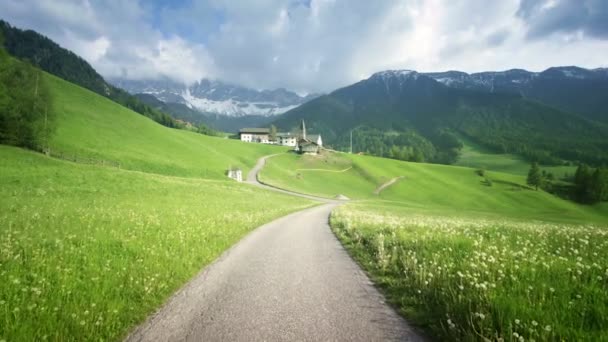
288 280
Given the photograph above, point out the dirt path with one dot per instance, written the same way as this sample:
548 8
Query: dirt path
386 185
288 280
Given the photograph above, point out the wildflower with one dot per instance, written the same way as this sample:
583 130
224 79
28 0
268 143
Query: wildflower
547 327
534 323
517 321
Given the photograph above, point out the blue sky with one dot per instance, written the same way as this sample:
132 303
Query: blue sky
317 45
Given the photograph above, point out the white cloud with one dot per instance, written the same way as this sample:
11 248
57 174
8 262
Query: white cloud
317 45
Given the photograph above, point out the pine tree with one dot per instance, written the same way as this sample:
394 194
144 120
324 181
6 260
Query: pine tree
534 176
582 184
598 186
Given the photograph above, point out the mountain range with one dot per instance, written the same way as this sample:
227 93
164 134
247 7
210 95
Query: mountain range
570 88
395 109
217 97
555 116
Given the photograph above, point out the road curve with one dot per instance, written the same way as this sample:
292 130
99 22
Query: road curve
288 280
252 178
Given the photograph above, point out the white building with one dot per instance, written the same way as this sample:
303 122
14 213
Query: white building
235 174
287 139
259 135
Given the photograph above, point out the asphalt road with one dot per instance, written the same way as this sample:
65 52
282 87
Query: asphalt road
289 280
252 178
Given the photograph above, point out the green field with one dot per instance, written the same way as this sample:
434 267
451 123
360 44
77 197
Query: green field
90 126
427 187
479 279
478 157
89 251
466 258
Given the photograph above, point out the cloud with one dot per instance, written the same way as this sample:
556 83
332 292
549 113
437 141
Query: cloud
546 17
115 36
316 45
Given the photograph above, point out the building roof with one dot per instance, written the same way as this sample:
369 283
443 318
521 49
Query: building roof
307 142
313 137
255 130
286 135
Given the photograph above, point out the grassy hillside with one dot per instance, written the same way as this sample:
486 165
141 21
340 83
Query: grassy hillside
86 252
91 126
89 251
476 156
428 187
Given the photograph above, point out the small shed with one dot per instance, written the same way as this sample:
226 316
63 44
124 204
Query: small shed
308 147
235 173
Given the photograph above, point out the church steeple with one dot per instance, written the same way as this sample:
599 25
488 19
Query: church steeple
303 129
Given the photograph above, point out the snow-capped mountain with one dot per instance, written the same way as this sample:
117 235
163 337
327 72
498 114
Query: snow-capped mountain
514 80
569 88
216 97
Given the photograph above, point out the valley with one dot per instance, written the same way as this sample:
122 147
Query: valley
469 206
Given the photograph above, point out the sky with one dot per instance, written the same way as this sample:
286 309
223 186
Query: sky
316 45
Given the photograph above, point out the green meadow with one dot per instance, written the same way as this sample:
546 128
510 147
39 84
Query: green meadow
427 187
90 126
474 278
89 251
476 156
466 257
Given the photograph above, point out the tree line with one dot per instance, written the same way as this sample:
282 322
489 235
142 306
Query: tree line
589 185
26 115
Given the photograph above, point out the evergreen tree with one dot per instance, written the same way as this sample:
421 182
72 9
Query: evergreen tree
534 176
598 185
582 184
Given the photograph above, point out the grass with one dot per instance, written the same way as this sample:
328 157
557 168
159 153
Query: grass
87 252
474 279
428 187
468 258
326 175
90 126
478 157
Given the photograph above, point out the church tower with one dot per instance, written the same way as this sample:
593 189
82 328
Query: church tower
303 129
